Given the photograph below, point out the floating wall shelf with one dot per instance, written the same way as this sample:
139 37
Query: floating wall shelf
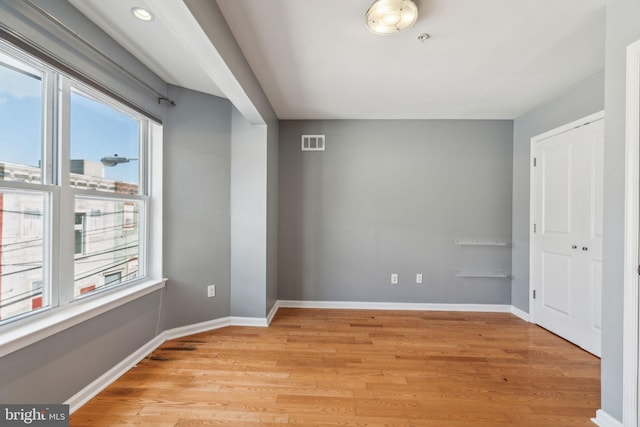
480 242
499 274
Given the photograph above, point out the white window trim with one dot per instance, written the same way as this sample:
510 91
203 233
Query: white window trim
64 313
39 326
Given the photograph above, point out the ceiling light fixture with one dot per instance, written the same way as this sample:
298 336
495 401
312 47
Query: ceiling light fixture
142 14
391 16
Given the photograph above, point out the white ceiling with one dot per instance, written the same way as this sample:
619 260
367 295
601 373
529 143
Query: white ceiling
168 45
315 59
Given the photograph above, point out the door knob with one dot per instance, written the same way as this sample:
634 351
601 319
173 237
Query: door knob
584 248
574 247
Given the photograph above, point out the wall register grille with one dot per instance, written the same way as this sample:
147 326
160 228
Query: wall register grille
312 142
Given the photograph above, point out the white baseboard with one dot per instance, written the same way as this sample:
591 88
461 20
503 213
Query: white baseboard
249 321
196 328
272 312
354 305
603 419
83 396
520 313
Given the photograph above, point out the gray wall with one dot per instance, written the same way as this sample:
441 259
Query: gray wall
254 217
273 154
54 369
391 197
248 217
250 100
622 30
197 180
577 102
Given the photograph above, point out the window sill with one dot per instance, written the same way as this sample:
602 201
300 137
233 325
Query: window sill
59 319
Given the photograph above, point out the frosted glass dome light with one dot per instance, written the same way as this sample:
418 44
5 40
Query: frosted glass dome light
391 16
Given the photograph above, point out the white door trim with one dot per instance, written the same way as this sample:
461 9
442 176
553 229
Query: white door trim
631 219
557 131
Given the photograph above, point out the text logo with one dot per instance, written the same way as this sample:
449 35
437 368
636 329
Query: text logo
54 415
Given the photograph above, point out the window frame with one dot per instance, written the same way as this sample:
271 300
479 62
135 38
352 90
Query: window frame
60 308
68 85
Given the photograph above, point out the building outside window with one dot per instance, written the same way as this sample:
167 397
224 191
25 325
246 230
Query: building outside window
31 222
74 176
21 256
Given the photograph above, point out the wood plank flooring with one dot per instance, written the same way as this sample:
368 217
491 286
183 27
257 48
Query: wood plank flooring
358 368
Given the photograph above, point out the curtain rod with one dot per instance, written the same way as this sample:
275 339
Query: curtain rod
18 40
75 35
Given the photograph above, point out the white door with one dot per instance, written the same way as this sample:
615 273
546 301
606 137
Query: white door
567 259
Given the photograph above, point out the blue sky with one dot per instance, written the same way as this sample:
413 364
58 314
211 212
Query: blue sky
96 129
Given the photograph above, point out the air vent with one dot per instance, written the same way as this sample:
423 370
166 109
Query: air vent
312 143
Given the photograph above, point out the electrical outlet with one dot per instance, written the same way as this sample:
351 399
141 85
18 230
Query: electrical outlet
211 291
394 278
419 278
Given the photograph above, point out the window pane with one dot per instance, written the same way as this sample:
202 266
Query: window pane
105 146
21 120
107 234
22 239
79 233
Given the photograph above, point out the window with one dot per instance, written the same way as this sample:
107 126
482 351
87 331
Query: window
129 215
112 278
31 222
22 258
106 144
106 247
79 231
22 93
74 164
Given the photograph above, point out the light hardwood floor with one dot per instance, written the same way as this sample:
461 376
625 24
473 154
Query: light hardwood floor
359 368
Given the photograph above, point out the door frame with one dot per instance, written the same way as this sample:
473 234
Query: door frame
631 236
532 146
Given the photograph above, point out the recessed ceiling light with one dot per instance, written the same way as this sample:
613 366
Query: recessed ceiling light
142 14
391 16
